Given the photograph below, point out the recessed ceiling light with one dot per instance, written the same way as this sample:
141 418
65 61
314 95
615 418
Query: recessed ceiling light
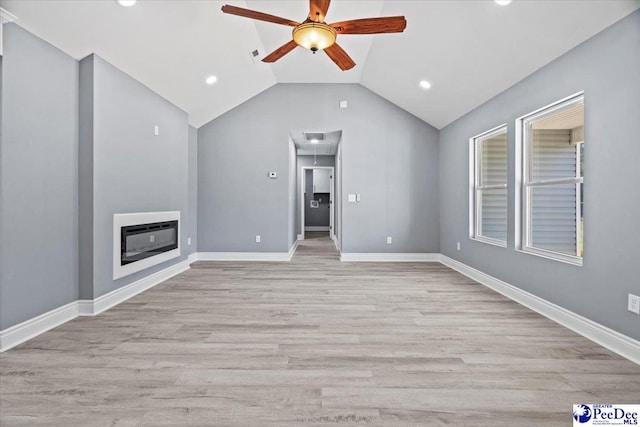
126 3
211 80
425 84
503 2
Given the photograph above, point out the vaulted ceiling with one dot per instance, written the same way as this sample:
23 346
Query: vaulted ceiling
468 50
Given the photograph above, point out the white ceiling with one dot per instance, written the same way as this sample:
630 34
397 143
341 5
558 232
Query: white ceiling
327 145
469 50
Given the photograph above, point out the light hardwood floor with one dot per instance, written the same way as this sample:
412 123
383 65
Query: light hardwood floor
311 342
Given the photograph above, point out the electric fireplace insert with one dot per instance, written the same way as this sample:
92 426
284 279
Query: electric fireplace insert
142 241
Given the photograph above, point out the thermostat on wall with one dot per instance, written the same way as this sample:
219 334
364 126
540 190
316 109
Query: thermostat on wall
273 175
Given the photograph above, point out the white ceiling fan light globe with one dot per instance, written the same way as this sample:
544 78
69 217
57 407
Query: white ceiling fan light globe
503 2
126 3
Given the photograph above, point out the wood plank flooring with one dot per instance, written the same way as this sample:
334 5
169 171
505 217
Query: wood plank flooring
311 342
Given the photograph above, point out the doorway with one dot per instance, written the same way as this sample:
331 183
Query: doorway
317 200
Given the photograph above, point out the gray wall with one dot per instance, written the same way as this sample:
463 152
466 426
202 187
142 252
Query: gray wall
192 224
389 156
293 166
85 181
38 178
606 67
305 160
133 169
338 197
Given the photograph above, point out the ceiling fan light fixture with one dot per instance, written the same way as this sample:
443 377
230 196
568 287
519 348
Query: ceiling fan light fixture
126 3
314 36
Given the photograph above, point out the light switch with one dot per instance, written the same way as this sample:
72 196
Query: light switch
257 239
352 198
344 104
156 130
358 197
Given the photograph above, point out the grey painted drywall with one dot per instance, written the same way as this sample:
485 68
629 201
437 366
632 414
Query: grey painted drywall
192 211
1 212
39 178
302 162
293 165
338 197
606 67
389 156
85 178
315 217
133 169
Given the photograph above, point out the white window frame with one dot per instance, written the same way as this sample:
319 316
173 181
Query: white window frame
525 184
475 189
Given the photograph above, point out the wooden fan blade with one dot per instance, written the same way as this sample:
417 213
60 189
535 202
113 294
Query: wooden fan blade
388 24
280 52
318 9
247 13
340 57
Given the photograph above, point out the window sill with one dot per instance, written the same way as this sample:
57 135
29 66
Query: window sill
493 242
567 259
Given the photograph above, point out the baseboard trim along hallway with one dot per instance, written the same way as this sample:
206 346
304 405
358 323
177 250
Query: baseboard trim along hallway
620 344
248 256
113 298
31 328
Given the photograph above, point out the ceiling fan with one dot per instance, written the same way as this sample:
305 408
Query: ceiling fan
315 34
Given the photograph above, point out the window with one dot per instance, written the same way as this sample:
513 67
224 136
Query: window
552 180
488 198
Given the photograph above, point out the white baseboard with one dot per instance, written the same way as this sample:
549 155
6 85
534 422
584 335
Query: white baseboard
248 256
618 343
335 240
389 257
31 328
113 298
292 251
193 257
317 228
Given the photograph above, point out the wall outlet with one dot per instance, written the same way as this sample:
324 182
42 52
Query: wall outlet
257 239
458 246
634 304
189 241
389 240
156 130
